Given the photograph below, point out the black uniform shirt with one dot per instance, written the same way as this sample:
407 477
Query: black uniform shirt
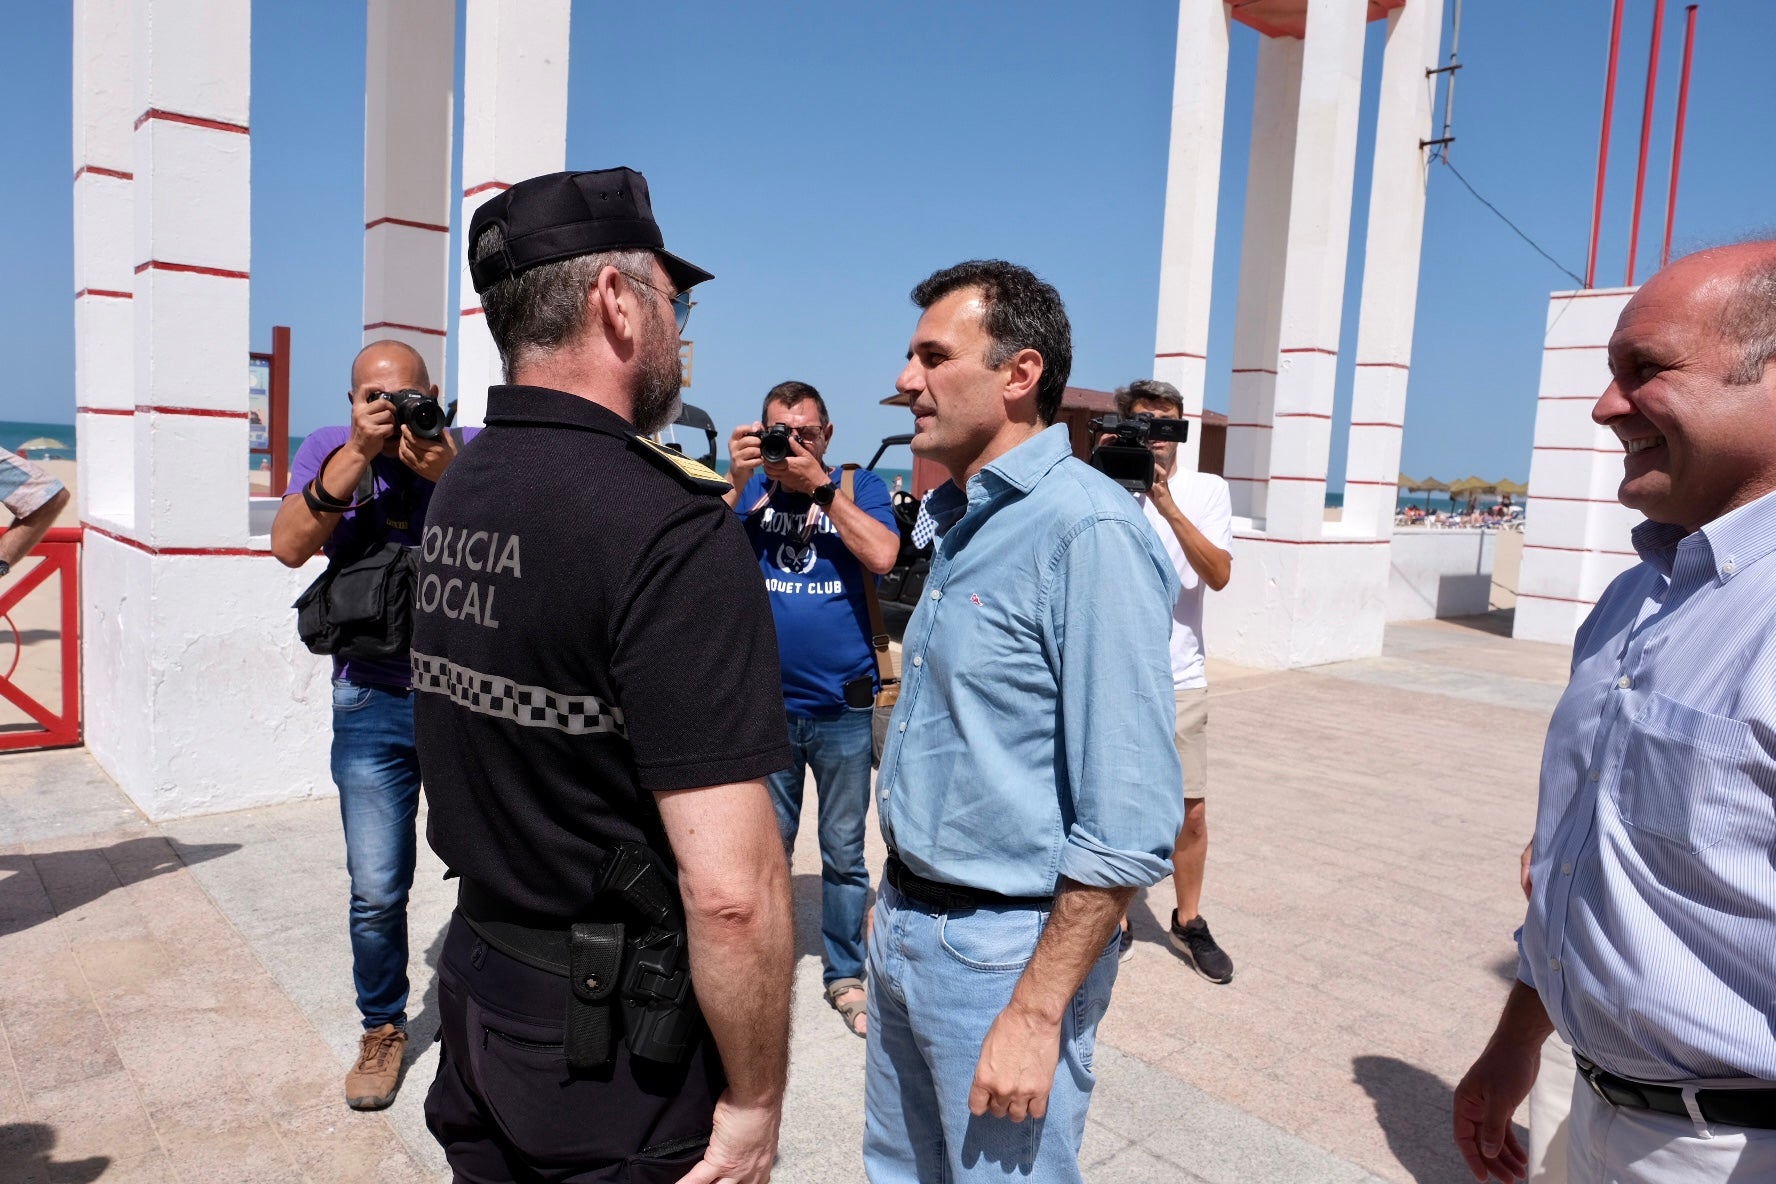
591 630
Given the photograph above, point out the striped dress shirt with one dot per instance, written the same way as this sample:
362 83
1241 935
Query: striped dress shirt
1651 933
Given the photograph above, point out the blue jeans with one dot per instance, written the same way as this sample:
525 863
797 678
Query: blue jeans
376 769
838 750
938 980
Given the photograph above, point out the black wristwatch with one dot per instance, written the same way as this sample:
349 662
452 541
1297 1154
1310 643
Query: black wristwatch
823 495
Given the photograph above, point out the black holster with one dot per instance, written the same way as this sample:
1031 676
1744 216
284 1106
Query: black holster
627 978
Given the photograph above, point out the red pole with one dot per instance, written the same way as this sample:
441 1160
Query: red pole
1683 110
1603 139
278 430
1646 135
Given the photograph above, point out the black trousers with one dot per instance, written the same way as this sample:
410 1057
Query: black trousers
504 1108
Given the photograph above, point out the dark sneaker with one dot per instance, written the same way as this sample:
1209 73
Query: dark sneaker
1127 942
1199 949
372 1082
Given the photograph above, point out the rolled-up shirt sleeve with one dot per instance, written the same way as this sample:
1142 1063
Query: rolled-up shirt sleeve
1109 613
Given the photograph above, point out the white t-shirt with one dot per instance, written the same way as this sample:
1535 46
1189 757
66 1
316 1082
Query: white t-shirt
1204 499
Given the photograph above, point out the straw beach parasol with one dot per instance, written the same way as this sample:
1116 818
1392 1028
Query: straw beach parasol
1427 487
42 444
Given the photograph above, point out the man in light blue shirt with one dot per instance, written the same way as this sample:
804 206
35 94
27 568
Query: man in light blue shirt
1650 942
1028 786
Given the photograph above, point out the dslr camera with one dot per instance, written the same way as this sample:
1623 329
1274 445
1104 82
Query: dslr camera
1122 453
416 410
774 443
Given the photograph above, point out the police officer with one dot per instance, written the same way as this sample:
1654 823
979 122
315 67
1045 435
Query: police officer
597 708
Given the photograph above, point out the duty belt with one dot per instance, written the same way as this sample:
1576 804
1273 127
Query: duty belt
635 968
1752 1107
939 895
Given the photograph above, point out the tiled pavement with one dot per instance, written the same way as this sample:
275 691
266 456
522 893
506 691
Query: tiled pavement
175 1000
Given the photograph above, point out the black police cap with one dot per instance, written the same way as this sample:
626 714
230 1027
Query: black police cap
560 215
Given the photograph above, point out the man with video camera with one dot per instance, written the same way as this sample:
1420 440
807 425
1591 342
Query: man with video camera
352 489
819 533
1194 517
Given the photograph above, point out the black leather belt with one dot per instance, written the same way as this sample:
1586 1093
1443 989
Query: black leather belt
1755 1108
938 895
537 941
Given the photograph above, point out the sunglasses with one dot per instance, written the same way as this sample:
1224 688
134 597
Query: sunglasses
681 301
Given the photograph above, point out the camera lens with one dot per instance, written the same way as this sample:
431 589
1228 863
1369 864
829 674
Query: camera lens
424 417
774 443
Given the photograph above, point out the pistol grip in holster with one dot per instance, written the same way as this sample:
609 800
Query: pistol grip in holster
595 959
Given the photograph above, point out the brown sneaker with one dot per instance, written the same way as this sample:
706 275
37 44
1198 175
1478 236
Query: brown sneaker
372 1082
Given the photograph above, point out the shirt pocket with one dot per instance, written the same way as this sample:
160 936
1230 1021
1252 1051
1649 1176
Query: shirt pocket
1682 773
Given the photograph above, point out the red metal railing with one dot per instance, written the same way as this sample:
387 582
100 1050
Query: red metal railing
58 554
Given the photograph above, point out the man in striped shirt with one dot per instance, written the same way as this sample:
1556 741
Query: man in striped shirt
1650 942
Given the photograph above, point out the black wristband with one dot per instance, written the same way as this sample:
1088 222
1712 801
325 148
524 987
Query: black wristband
322 502
823 495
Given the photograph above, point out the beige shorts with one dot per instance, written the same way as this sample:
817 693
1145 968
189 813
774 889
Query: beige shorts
1190 732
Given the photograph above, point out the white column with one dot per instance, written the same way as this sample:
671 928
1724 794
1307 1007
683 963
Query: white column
192 238
409 76
1193 174
1252 389
1390 266
104 254
1312 300
1577 535
514 127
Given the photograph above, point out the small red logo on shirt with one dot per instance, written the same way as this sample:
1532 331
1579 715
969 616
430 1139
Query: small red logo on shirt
975 596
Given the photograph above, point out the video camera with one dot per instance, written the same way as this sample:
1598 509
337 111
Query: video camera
416 410
1122 454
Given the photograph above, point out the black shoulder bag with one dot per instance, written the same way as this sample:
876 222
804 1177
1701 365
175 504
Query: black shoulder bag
362 605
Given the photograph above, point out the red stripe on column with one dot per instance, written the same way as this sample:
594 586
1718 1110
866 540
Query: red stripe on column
408 223
104 292
1350 482
146 549
1371 423
1309 349
1317 542
1385 365
215 125
193 268
200 412
409 328
1578 550
1275 477
104 410
485 186
1301 415
96 171
470 312
1254 370
1182 354
1560 599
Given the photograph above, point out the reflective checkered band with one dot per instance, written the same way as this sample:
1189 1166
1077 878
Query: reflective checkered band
526 706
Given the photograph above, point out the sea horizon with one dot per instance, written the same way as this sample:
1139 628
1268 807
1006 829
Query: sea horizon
15 432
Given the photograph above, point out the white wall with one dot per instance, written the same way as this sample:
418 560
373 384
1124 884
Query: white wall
210 702
1439 573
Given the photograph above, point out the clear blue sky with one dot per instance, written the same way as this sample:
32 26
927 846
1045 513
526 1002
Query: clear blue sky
822 158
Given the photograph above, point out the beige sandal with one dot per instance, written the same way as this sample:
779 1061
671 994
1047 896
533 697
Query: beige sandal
849 1012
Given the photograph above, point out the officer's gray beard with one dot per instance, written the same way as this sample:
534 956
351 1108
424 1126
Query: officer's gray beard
659 379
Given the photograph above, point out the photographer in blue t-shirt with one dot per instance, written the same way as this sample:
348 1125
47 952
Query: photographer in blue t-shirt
816 545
